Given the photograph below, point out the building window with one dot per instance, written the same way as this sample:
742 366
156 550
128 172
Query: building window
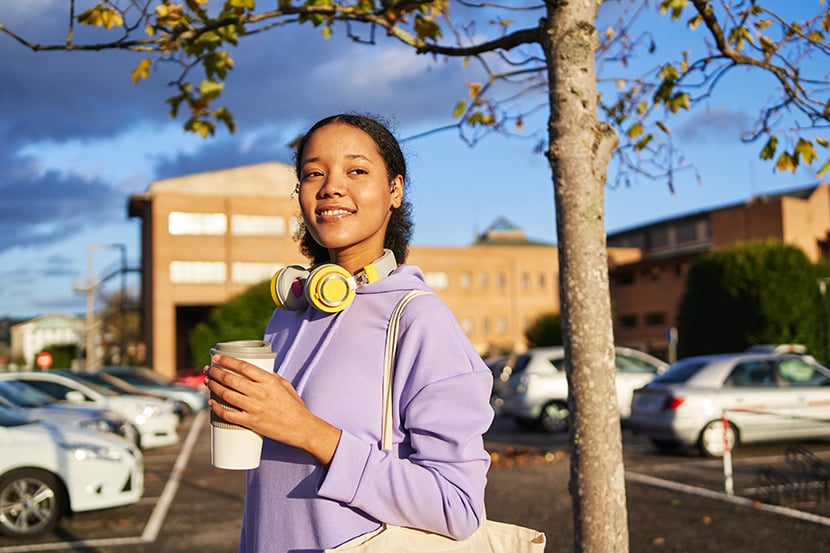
466 280
252 273
180 223
258 225
624 278
501 325
483 280
543 280
655 319
485 326
198 272
500 281
437 280
525 281
658 237
467 325
685 232
653 274
627 321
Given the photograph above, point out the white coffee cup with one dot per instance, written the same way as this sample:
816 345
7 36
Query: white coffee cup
232 446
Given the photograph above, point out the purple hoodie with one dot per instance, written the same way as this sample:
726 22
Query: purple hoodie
435 475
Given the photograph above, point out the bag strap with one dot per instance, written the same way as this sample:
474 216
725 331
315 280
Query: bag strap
389 366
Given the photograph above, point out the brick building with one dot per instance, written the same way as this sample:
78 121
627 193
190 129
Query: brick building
646 293
209 236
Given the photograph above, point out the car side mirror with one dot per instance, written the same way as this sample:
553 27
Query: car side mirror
74 396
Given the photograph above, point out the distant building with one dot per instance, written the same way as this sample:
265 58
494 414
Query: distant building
33 336
646 293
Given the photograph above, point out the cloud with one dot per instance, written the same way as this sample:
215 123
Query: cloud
715 123
41 207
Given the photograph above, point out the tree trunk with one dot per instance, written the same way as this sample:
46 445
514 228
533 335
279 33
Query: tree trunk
580 150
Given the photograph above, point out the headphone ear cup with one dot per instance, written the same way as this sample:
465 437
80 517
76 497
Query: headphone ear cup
330 288
287 288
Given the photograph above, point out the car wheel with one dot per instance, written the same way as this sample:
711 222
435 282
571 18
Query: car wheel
711 441
31 503
554 417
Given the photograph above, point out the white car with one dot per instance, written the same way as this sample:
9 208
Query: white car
48 471
535 393
154 418
761 396
34 405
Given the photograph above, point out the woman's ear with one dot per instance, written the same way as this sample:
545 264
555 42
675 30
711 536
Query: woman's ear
396 190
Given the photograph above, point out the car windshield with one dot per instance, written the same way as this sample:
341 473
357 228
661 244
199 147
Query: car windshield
98 380
629 364
96 387
797 372
140 377
680 371
24 395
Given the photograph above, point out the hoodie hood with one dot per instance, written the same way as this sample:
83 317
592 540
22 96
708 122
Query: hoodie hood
404 278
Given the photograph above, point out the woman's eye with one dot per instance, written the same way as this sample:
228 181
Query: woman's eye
359 171
311 174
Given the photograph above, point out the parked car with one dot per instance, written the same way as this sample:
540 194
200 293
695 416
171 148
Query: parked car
48 471
536 392
34 405
115 384
147 380
762 396
155 419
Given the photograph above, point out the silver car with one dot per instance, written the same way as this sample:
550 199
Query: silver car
535 394
719 400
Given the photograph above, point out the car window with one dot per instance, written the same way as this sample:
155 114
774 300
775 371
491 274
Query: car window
24 395
796 372
54 389
629 364
752 374
680 372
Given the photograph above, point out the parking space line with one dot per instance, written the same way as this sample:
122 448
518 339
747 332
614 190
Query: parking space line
720 496
153 526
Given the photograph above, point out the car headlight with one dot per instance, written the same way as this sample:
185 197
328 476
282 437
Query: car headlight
86 452
151 410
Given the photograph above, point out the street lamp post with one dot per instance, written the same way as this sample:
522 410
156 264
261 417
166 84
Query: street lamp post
91 290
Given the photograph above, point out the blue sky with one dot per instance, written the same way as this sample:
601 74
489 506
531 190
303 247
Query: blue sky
77 138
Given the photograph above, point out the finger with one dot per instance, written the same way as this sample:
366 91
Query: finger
239 366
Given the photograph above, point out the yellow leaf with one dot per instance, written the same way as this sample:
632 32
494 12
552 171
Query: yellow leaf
824 168
768 152
326 32
474 89
458 111
620 84
805 150
663 127
821 141
785 163
610 33
635 130
142 70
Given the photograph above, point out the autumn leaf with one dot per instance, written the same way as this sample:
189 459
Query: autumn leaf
142 70
768 152
785 162
805 150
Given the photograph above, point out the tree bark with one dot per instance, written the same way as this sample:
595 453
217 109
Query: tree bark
580 150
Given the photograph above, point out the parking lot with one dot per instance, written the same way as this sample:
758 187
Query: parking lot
676 502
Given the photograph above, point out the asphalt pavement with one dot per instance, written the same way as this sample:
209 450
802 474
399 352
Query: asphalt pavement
675 505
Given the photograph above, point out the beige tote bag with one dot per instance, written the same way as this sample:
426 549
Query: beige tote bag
491 536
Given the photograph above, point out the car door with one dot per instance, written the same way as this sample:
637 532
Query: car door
809 387
753 399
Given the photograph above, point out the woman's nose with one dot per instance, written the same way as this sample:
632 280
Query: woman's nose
332 186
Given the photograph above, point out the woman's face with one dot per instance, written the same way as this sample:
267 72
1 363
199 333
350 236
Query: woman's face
345 194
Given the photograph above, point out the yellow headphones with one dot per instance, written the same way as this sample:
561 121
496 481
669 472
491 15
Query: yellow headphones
328 287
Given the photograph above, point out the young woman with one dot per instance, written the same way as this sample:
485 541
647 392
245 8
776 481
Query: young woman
323 477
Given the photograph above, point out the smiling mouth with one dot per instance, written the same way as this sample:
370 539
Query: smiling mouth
333 213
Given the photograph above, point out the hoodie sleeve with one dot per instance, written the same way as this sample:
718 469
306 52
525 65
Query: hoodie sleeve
434 476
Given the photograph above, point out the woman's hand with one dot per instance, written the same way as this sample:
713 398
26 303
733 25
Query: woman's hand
268 405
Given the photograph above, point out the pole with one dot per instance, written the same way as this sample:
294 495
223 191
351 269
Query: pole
728 483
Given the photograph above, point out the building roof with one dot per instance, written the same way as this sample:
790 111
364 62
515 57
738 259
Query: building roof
503 232
800 193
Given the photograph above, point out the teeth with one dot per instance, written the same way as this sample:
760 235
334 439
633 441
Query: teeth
329 212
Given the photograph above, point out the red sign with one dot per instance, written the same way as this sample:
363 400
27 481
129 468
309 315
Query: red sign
44 360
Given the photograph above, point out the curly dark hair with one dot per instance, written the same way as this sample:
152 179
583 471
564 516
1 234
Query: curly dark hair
399 231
